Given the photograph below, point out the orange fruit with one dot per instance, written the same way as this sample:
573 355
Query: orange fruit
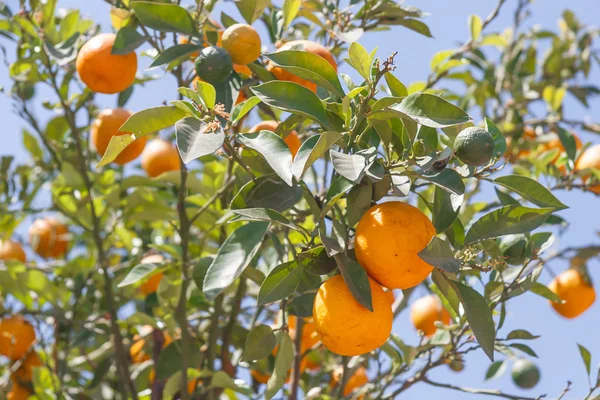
557 144
25 372
358 379
388 238
242 42
159 157
106 125
48 237
137 350
16 337
152 282
578 295
292 139
18 392
102 71
391 296
11 250
305 45
263 377
590 159
242 70
345 326
426 311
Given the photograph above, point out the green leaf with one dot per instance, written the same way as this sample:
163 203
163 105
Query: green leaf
356 279
193 141
252 9
360 60
283 362
448 180
415 25
479 316
336 190
240 110
447 293
260 343
507 220
309 66
221 379
127 40
173 384
32 145
174 53
152 120
293 98
169 360
358 202
200 268
446 206
138 273
274 150
530 190
124 96
431 110
290 10
524 348
568 141
316 261
499 140
521 334
353 166
496 370
116 145
439 254
267 192
164 17
542 290
396 87
207 93
281 282
302 306
264 214
475 26
586 356
233 257
312 149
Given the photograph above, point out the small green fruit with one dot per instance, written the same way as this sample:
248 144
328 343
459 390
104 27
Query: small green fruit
525 374
213 65
515 249
474 146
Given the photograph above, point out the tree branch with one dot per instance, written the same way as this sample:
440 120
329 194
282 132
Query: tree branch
487 392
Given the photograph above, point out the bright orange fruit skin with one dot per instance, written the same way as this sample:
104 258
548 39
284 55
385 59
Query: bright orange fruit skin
577 294
305 45
344 325
152 282
18 392
242 42
292 139
25 372
102 71
357 380
11 250
48 237
590 159
425 311
106 125
16 337
159 157
388 238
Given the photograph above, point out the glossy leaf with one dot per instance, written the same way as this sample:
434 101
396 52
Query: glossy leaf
499 140
530 190
260 342
293 98
496 370
542 290
290 10
174 53
274 150
521 334
138 273
431 110
448 180
360 60
116 145
396 87
164 17
445 210
240 110
568 141
586 356
312 149
356 279
193 141
251 10
316 261
233 257
352 166
283 362
439 254
267 192
281 282
264 214
169 360
127 40
507 220
152 120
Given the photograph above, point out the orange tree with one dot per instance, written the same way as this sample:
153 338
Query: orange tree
246 255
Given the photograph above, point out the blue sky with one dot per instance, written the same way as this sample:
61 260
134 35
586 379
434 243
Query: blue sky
559 358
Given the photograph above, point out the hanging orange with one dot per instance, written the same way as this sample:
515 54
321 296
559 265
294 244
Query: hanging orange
49 238
159 157
106 125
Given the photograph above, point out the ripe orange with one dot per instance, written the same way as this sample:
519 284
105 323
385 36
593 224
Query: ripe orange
263 377
425 311
137 350
11 250
106 125
388 238
152 282
292 139
159 157
242 42
358 379
557 144
590 159
102 71
578 295
16 337
390 295
18 392
242 70
48 237
344 325
305 45
25 372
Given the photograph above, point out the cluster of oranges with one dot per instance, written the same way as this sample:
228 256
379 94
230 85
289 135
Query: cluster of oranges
17 337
